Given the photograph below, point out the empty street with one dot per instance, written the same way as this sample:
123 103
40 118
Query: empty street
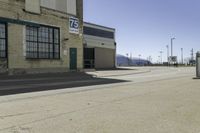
154 100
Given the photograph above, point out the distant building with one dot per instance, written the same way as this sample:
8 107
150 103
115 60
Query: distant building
41 36
99 46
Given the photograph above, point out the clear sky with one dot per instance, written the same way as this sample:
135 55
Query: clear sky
146 26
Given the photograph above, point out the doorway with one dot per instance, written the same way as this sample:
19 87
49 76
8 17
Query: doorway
73 58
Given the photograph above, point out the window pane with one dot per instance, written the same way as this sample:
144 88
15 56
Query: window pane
41 42
2 31
56 36
31 42
3 41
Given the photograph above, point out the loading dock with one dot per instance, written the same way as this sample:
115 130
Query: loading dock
99 46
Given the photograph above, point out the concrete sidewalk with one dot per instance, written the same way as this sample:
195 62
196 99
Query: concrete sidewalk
121 71
42 82
80 75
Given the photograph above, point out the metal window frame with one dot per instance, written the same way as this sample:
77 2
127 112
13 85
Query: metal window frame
38 42
6 40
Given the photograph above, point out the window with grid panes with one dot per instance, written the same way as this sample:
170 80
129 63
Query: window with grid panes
42 42
3 43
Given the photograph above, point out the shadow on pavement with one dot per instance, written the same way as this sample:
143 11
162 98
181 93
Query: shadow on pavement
196 78
42 82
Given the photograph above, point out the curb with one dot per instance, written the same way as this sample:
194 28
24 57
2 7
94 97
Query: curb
147 71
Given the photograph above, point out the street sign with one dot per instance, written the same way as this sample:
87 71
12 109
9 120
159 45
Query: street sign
74 25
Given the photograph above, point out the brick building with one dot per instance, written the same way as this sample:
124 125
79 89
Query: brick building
39 36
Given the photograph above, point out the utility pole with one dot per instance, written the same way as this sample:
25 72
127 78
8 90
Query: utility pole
161 52
172 45
192 54
192 57
182 55
167 53
159 60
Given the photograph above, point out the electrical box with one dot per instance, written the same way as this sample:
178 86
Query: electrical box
198 64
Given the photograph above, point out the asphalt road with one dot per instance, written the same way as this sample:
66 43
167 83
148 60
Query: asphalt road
10 85
163 100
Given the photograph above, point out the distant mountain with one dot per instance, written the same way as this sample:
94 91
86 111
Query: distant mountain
125 61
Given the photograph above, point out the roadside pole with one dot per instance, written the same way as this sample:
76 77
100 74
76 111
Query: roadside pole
198 64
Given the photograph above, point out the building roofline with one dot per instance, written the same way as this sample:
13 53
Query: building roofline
99 25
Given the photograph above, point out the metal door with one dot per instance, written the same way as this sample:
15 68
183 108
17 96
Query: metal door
73 58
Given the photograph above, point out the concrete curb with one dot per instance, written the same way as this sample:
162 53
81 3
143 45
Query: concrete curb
123 74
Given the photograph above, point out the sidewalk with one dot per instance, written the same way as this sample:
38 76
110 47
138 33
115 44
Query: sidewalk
43 82
122 71
71 76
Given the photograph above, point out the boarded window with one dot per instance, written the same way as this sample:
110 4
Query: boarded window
49 4
67 6
32 6
71 7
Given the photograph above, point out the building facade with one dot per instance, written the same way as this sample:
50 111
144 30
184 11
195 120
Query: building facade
99 47
40 36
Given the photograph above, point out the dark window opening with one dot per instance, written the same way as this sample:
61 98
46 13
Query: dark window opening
3 42
89 58
42 42
98 32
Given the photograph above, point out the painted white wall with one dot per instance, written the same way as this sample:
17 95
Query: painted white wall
61 5
32 6
67 6
71 7
49 4
96 42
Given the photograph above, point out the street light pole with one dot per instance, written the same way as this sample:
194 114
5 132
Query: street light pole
172 45
167 54
182 55
159 60
161 52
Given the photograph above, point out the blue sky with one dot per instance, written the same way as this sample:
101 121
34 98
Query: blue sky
146 26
